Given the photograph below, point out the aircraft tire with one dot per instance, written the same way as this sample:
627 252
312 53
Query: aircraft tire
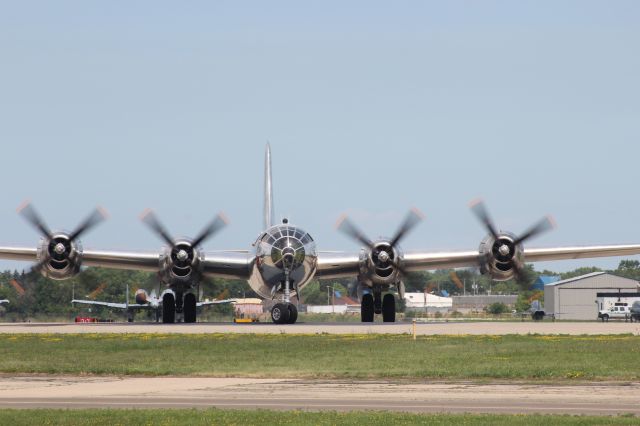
389 308
189 308
168 309
366 308
280 313
293 313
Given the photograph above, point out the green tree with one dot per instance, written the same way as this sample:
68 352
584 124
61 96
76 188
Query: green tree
497 308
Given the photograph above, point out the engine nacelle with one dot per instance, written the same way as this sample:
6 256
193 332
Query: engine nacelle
59 257
501 257
142 298
180 263
379 264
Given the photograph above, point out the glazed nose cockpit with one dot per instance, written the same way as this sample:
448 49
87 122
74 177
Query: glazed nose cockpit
283 251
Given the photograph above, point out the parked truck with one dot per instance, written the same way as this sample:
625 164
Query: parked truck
616 305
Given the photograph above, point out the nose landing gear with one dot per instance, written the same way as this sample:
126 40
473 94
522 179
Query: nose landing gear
284 313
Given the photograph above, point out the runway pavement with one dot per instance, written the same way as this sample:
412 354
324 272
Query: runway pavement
457 328
177 392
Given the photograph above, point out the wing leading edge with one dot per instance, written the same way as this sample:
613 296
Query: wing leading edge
340 265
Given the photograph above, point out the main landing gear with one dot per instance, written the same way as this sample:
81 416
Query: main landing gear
376 304
178 303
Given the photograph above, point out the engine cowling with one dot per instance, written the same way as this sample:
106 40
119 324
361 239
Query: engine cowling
180 263
379 263
59 257
501 257
142 298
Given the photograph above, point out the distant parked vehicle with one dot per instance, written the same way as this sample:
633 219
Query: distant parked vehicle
615 312
634 312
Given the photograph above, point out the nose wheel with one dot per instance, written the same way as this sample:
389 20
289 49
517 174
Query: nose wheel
284 313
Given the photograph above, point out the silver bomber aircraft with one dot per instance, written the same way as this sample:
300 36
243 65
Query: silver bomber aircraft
284 259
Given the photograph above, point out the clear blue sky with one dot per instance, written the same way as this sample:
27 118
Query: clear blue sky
370 107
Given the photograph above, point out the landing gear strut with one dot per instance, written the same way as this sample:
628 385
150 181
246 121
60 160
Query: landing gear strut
285 313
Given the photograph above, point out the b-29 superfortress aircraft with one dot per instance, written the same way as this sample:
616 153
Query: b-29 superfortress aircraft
284 259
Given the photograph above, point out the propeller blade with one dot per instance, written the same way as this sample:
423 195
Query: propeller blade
213 227
414 217
29 213
545 224
347 227
149 218
400 267
400 286
97 216
478 208
519 275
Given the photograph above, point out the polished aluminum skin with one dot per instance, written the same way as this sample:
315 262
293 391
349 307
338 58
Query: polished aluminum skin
283 252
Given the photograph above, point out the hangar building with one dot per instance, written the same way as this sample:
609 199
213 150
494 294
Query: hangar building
575 298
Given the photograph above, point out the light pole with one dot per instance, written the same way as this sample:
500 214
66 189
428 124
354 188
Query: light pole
329 298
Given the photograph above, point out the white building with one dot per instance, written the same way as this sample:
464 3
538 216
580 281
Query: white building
427 300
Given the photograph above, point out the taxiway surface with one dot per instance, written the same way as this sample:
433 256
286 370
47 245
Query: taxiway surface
177 392
431 328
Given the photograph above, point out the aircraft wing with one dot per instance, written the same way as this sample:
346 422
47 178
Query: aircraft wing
235 264
339 265
215 302
111 304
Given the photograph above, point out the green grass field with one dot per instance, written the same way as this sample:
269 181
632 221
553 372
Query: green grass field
538 358
263 417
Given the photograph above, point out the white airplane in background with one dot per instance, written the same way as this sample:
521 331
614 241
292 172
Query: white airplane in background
3 301
283 259
144 301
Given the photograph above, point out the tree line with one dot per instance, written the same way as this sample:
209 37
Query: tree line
34 297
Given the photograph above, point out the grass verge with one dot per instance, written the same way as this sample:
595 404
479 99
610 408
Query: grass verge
534 357
264 417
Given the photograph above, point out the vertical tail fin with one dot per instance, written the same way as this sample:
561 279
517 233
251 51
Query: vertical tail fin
268 190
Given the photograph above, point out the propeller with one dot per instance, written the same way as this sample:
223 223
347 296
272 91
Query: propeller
59 248
504 249
381 255
182 256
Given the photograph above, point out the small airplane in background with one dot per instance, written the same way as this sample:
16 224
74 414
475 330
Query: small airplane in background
143 301
3 301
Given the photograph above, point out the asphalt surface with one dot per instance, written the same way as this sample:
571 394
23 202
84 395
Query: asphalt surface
283 394
431 328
